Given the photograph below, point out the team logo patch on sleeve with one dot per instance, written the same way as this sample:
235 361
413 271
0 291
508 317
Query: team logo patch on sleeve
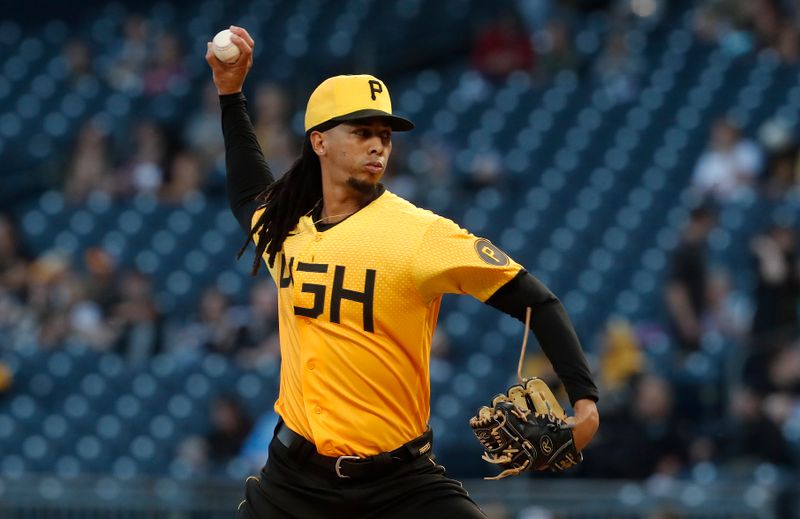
490 254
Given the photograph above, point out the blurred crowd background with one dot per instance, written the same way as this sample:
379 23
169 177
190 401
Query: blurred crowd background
639 156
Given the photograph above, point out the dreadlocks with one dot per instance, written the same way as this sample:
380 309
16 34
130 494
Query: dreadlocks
287 199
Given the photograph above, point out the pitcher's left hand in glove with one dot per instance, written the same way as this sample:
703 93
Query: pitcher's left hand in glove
526 429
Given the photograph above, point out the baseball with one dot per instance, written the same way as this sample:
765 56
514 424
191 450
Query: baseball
224 49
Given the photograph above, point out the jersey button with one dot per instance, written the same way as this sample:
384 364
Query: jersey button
311 365
318 410
318 237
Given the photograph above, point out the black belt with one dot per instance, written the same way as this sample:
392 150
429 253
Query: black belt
354 466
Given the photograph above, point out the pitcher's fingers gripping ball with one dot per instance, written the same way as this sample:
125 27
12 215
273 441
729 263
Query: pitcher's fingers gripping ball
230 56
526 429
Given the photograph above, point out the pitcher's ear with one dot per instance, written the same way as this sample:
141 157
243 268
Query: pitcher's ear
317 140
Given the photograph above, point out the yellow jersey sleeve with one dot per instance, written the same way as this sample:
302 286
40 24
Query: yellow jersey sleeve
450 260
254 219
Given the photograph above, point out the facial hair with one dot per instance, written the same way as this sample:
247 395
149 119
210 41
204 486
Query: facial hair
365 188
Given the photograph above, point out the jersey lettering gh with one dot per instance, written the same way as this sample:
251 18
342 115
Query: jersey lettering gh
358 305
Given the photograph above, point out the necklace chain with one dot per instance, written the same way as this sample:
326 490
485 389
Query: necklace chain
311 212
333 216
322 219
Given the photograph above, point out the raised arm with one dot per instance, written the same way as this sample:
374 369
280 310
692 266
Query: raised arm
248 173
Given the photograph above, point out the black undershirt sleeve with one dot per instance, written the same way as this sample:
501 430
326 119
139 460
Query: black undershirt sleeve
248 172
553 329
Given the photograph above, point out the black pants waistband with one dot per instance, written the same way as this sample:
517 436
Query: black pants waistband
353 466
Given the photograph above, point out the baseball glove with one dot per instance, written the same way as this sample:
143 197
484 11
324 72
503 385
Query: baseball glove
525 429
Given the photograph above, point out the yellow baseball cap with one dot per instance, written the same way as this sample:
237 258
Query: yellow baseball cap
350 97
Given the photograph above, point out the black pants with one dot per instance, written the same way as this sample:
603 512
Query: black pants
291 489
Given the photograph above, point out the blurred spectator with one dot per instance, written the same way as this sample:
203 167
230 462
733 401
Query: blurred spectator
90 165
727 169
272 128
707 23
776 135
101 282
616 70
621 357
642 439
557 51
788 44
87 323
782 173
765 411
143 171
58 310
48 300
657 438
753 437
687 283
14 267
740 26
78 59
726 22
257 336
12 317
215 330
784 374
6 379
778 287
166 71
88 326
256 447
766 22
728 313
137 319
230 427
13 260
184 178
131 58
191 456
485 170
759 363
203 134
502 47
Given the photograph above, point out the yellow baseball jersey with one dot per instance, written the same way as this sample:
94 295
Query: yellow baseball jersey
358 305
